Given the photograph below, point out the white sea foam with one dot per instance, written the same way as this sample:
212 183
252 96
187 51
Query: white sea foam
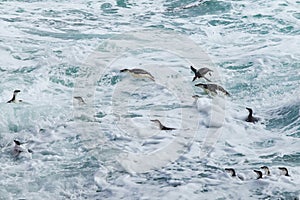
108 148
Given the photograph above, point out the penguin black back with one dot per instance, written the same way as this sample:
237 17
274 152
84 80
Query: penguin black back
17 142
284 170
14 98
250 117
161 126
259 174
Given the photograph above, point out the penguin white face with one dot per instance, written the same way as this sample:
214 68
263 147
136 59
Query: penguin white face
284 171
266 170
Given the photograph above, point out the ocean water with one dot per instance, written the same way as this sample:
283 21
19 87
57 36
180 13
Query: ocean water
108 148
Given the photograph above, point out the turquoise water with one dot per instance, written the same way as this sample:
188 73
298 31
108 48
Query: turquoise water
108 148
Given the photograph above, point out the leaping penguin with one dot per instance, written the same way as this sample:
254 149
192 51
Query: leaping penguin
212 88
200 73
139 73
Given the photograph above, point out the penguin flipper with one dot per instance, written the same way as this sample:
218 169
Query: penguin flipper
206 79
194 70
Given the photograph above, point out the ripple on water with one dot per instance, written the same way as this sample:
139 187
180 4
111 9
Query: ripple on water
285 119
184 10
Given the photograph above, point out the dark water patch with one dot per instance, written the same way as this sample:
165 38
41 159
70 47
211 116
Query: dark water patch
58 80
177 4
266 24
262 16
256 28
284 118
23 70
296 15
64 74
51 13
286 195
108 79
14 128
297 134
57 24
293 159
2 70
124 3
182 8
100 115
218 22
203 175
240 87
234 66
108 8
23 58
12 19
238 155
80 14
20 10
268 156
72 71
287 29
157 178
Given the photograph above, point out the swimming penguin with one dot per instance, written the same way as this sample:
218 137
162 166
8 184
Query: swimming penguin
284 171
231 171
201 73
266 169
18 148
250 118
162 127
14 98
212 88
80 100
258 173
139 73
